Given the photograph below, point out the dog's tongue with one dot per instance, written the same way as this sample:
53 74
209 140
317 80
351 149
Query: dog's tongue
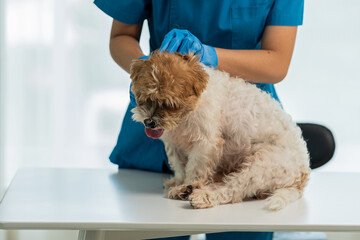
154 133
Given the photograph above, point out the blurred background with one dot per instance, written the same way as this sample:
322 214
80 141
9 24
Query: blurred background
62 98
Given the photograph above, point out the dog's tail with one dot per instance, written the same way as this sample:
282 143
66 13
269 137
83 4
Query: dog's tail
282 197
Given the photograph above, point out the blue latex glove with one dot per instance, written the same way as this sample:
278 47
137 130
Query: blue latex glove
132 96
183 41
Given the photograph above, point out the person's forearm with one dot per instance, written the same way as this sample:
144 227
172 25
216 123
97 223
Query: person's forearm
258 66
124 49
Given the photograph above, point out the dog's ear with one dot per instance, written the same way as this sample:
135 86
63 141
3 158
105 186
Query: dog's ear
137 69
199 77
200 81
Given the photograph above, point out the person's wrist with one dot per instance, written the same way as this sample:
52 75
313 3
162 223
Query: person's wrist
209 57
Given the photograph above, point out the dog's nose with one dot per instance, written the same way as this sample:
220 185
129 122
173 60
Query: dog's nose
149 123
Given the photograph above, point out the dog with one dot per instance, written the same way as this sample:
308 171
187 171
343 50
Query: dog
226 140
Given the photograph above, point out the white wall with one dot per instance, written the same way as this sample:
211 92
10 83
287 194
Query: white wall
324 79
2 103
64 96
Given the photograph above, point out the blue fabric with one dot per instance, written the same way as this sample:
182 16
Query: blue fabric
227 24
136 150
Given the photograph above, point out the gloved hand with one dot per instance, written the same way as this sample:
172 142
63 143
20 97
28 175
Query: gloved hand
132 96
183 41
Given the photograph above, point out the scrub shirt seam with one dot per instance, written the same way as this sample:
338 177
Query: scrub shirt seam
123 16
284 20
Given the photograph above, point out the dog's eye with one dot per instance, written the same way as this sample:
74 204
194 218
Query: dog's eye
165 105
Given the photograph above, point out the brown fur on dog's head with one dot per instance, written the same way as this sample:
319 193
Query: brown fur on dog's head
167 87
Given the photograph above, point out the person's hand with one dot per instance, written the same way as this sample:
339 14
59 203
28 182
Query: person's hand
132 96
184 42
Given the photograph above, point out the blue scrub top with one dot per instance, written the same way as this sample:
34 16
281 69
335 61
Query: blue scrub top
230 24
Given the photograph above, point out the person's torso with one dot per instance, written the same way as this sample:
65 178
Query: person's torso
230 24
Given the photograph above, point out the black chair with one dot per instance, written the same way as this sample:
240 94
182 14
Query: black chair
320 143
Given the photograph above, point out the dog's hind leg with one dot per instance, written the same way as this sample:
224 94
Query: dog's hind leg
282 197
233 191
262 174
235 187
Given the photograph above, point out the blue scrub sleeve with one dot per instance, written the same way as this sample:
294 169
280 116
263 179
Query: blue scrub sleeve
126 11
136 150
286 13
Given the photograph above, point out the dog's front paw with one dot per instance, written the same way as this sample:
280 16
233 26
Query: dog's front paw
181 192
201 198
172 182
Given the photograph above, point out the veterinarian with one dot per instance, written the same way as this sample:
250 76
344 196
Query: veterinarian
252 39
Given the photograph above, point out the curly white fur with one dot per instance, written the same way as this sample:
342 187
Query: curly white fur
238 143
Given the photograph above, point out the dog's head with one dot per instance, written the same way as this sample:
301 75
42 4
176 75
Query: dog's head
167 88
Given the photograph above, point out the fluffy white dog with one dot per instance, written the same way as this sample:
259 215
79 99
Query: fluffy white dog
226 140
